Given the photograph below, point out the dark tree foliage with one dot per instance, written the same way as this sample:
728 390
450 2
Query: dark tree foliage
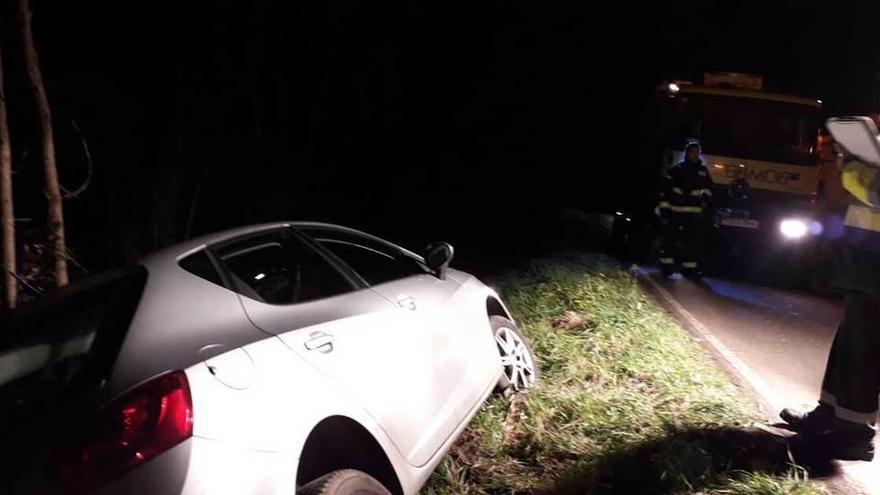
476 122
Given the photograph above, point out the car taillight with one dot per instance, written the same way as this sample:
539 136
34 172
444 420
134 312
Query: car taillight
131 430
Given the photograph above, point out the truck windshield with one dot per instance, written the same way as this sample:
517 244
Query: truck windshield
746 128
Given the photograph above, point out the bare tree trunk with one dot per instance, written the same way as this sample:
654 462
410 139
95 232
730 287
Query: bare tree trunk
50 172
7 216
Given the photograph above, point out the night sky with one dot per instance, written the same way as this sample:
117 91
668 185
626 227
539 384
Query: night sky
475 122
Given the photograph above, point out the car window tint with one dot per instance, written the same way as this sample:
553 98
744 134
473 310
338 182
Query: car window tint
278 269
200 265
374 262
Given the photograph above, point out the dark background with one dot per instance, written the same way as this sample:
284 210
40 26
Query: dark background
475 122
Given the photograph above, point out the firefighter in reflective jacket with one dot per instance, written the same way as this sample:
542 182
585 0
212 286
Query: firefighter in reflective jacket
683 209
843 424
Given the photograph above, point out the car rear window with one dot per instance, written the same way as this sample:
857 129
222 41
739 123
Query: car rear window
200 264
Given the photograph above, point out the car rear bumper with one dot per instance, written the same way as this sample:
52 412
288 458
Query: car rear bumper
202 466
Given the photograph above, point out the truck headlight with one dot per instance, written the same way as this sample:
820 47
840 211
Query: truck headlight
794 228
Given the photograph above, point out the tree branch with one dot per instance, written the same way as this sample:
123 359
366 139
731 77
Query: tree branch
88 180
22 281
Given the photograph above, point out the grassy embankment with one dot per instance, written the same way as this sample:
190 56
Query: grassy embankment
628 401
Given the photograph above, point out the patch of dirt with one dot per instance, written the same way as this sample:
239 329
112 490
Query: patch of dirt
573 322
513 422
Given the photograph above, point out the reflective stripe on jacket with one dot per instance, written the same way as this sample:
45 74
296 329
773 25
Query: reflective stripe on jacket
685 190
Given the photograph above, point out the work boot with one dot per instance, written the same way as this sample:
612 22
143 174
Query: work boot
844 441
819 419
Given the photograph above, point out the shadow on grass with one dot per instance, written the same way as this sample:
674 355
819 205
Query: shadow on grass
690 460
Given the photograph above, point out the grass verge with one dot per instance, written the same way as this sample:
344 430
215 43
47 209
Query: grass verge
628 402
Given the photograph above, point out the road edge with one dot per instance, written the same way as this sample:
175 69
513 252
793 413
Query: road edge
740 374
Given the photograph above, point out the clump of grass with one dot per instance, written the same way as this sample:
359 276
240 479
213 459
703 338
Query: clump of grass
628 402
796 483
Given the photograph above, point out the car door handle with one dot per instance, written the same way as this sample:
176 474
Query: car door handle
320 341
407 302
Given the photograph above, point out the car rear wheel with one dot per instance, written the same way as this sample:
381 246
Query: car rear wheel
344 482
520 372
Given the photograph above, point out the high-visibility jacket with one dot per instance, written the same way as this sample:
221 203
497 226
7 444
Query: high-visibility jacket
685 191
862 222
855 261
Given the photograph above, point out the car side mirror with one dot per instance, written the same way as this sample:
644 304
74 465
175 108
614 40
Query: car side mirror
438 255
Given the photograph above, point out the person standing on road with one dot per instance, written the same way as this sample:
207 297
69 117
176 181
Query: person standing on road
842 426
684 195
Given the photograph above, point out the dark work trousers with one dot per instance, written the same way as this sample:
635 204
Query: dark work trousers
681 242
852 376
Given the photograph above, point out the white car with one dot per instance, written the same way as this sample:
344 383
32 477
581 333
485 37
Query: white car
281 358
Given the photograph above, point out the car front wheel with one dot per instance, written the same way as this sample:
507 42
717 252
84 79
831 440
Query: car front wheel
519 370
344 482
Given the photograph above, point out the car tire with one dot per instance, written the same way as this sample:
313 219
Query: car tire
344 482
519 367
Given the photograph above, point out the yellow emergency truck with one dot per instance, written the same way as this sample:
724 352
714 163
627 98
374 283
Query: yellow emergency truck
762 150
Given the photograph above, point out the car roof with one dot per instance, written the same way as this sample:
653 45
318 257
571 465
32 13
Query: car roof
181 249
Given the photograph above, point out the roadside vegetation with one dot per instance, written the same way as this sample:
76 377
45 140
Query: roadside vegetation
627 403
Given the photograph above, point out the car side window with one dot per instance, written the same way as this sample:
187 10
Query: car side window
277 268
373 261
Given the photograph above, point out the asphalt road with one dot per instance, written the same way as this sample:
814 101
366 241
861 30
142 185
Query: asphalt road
780 337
